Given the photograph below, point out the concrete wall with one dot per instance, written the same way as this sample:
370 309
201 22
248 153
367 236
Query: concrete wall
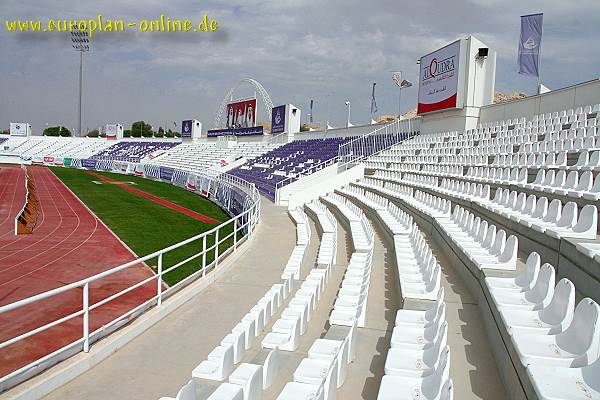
318 184
583 94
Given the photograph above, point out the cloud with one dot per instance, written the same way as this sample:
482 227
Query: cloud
298 49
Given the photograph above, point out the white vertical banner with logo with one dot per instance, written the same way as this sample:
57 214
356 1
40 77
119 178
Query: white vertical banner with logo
439 79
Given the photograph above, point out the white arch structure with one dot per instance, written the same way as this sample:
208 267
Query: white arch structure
266 99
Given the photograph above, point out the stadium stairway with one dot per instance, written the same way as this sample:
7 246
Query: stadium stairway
474 372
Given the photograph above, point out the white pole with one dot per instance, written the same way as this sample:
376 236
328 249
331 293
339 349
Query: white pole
86 317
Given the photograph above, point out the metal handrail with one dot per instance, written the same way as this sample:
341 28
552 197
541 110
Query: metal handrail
246 221
24 204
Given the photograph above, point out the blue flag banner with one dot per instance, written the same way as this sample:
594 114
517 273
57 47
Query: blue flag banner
529 44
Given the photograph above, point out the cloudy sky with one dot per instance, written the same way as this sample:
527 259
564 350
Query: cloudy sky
329 51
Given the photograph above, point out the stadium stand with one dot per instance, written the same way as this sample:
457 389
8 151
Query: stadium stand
287 161
506 203
133 151
39 147
198 156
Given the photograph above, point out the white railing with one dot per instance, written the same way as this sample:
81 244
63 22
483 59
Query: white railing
305 172
212 245
378 140
24 204
360 148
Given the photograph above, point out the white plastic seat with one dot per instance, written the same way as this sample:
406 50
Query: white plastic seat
187 392
238 341
227 391
577 346
416 337
522 282
249 332
416 362
420 317
550 320
437 386
218 365
563 383
249 377
536 298
285 341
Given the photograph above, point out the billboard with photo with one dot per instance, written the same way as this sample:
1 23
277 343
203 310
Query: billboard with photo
241 114
111 131
278 119
439 80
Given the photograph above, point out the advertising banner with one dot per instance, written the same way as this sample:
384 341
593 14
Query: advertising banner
67 161
438 79
257 130
89 163
186 129
166 174
110 131
241 114
278 119
48 160
18 129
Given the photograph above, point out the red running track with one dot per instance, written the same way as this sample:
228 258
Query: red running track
68 244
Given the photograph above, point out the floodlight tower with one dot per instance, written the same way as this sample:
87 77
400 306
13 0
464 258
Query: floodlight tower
402 84
81 43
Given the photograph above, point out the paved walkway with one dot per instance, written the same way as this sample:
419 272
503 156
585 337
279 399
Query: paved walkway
160 361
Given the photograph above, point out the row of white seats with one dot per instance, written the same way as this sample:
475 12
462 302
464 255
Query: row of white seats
461 160
219 363
497 175
558 343
417 365
350 306
302 228
485 245
303 233
418 270
397 221
578 184
464 190
551 218
361 231
590 130
487 150
248 380
319 375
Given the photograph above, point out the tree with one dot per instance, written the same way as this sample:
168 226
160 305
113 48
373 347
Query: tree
170 134
127 133
5 132
57 131
160 133
141 128
177 134
93 134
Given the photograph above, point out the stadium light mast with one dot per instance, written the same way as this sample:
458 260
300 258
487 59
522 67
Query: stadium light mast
81 43
402 84
348 120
